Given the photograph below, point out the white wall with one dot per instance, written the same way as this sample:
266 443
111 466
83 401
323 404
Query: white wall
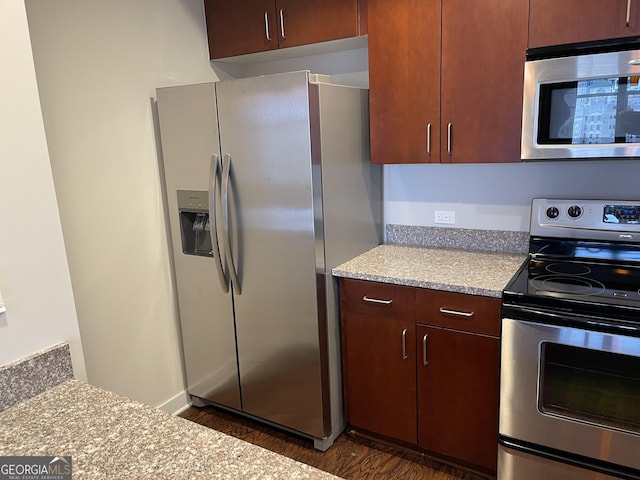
98 64
498 196
34 276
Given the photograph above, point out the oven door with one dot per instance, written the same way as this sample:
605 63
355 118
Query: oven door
572 390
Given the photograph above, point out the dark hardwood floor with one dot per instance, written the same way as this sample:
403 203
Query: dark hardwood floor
351 457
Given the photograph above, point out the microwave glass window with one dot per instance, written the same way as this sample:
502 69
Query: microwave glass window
592 386
596 111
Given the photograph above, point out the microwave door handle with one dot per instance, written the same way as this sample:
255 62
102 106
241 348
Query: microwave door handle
233 273
214 175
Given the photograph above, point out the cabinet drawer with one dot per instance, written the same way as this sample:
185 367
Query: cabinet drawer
459 311
377 299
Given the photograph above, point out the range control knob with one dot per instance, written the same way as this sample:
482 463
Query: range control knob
574 211
553 212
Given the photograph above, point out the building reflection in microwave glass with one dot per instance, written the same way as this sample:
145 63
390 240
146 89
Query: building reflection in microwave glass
600 111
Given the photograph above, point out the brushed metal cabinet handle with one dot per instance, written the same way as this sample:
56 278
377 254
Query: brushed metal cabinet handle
428 139
404 344
449 128
282 23
456 312
376 300
424 350
266 26
628 12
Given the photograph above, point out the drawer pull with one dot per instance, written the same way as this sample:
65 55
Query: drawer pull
404 344
376 300
456 312
424 350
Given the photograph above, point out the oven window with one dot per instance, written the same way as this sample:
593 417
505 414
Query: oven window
590 386
597 111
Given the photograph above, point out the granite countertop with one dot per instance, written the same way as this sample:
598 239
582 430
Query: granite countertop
453 270
109 436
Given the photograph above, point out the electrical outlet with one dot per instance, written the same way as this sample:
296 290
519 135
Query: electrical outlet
444 216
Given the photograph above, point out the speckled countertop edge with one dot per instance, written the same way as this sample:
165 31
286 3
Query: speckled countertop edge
109 436
462 271
32 375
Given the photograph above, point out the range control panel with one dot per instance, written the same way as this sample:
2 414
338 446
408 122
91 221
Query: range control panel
612 220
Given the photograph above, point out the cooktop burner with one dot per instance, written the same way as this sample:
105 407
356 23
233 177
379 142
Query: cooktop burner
567 268
567 285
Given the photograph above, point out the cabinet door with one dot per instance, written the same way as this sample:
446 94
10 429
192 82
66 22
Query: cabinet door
241 26
483 54
379 358
554 22
404 80
313 21
458 376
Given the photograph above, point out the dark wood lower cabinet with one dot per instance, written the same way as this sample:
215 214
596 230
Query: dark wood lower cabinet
380 359
381 380
422 367
458 374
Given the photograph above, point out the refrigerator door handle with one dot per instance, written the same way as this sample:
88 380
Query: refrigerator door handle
226 173
214 175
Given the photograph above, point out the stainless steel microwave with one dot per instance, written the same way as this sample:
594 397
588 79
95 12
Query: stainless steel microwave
584 105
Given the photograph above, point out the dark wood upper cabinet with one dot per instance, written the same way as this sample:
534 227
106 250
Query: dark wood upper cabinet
483 54
554 22
404 80
446 79
253 26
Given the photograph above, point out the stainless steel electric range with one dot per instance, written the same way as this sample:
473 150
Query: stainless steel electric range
570 374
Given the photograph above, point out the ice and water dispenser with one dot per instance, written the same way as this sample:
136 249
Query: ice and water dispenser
193 208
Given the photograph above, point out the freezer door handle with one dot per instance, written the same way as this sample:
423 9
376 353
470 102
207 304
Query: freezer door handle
214 177
226 174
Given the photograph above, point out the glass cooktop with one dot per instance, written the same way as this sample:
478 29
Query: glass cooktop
585 278
619 284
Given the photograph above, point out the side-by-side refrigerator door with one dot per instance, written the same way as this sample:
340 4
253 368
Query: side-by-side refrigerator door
191 160
265 139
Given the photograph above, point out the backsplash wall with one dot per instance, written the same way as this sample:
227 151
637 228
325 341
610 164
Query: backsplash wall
498 196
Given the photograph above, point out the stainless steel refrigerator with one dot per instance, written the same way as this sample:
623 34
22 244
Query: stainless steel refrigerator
268 187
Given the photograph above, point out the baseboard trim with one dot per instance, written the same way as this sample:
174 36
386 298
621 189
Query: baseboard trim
177 404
